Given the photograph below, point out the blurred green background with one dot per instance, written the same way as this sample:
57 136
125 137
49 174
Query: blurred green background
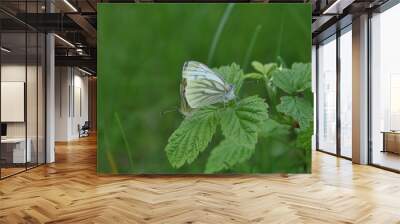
141 50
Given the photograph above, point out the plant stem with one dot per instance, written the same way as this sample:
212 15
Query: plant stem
124 138
280 36
251 47
218 32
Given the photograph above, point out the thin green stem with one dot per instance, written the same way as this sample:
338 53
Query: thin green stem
246 76
123 134
218 32
251 47
280 36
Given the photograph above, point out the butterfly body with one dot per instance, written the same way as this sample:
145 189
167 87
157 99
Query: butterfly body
201 87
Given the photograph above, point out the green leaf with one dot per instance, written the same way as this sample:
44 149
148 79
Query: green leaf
192 137
271 128
296 79
304 142
303 139
240 122
232 74
258 66
254 76
298 108
268 68
226 155
264 69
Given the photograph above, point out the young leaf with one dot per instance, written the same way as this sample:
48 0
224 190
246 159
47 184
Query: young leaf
226 155
303 140
264 69
232 74
296 79
268 68
254 76
273 129
258 67
240 123
298 108
192 137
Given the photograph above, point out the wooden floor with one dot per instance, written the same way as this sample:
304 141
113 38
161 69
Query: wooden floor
387 159
69 191
5 172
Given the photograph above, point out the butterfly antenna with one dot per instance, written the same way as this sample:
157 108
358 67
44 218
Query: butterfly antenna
168 111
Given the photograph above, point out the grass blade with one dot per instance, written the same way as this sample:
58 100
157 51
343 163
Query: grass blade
251 47
218 32
124 138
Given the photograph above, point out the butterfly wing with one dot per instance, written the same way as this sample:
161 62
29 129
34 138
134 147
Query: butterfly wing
185 108
193 70
203 86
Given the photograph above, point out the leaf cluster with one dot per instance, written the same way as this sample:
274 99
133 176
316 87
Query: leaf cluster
285 110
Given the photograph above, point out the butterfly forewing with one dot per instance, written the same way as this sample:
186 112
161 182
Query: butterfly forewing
193 70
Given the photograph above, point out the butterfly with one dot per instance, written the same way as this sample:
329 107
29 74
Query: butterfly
201 87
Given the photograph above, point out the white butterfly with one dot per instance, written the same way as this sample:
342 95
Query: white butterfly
202 87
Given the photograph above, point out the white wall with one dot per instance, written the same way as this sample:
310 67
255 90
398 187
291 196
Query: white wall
62 81
9 73
12 73
314 90
33 127
80 109
71 102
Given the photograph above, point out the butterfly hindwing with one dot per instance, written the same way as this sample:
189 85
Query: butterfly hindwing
185 108
202 92
193 70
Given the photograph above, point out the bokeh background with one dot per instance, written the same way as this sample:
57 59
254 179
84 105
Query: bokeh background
141 50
